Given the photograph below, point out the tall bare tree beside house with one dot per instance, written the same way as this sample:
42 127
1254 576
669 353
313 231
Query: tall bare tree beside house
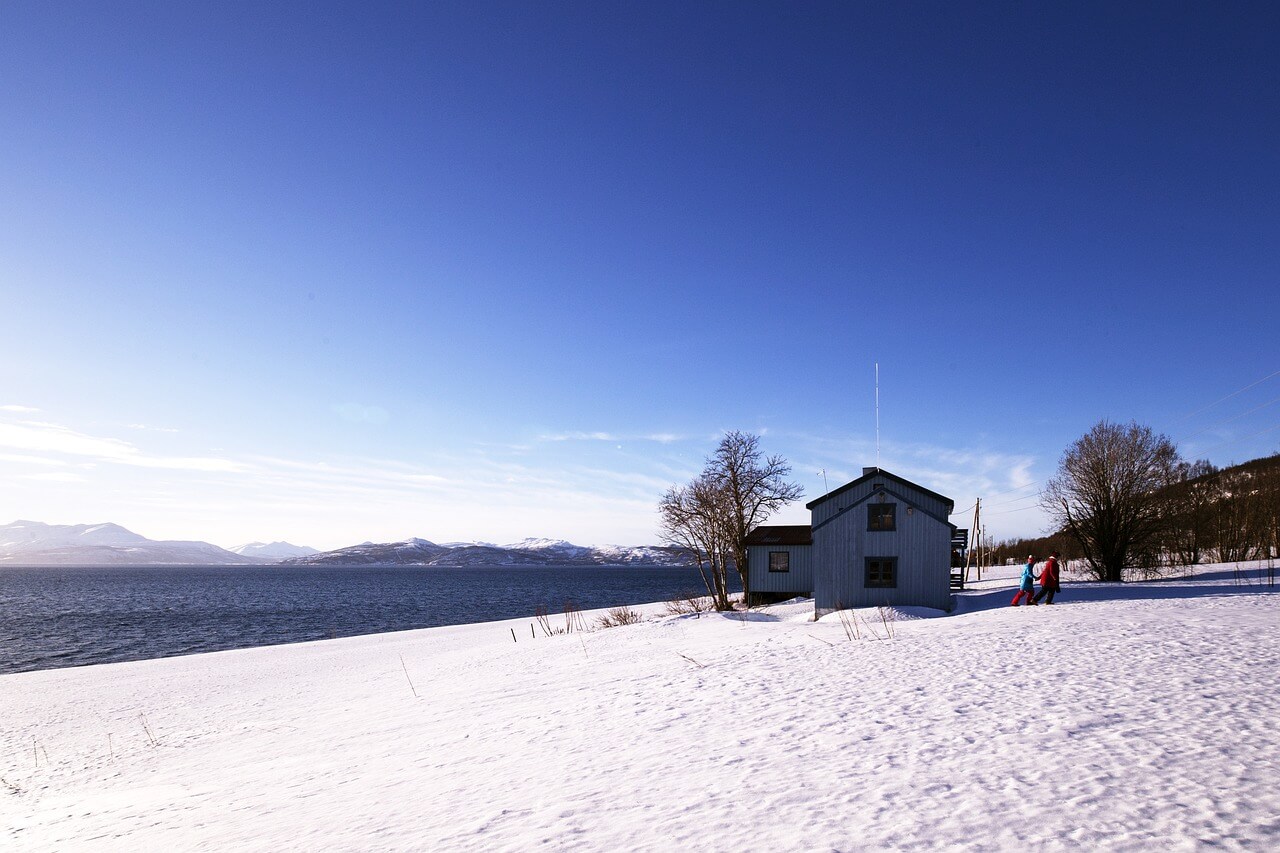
757 488
711 516
692 518
1109 493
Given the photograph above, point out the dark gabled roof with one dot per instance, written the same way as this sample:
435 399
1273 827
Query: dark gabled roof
780 534
880 474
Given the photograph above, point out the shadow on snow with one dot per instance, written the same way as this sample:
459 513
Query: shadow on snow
1218 581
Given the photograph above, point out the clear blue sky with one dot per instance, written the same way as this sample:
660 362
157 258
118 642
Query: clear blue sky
336 272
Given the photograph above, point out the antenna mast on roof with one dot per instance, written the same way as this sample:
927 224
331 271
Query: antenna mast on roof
877 416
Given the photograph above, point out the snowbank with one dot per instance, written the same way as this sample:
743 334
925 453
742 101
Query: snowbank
1124 718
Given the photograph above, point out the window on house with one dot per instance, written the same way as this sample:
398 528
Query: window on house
882 573
779 561
881 516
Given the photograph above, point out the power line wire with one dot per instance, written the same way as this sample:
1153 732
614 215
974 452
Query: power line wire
1011 511
1036 496
1017 489
1244 438
1228 397
1230 419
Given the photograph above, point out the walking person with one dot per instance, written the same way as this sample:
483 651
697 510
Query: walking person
1048 580
1027 586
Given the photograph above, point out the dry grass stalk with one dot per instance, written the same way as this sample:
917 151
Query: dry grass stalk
146 727
849 621
573 619
624 615
887 617
689 602
410 680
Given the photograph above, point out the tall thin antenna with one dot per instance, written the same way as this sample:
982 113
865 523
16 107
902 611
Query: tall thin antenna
877 416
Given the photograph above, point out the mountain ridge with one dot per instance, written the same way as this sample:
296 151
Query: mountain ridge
35 543
528 552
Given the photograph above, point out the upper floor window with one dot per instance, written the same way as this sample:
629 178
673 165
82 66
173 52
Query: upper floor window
779 561
881 517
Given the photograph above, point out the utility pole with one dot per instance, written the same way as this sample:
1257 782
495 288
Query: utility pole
975 542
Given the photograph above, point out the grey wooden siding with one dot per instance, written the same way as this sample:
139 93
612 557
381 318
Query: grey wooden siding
863 491
921 543
799 580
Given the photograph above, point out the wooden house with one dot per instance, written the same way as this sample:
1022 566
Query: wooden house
880 539
780 562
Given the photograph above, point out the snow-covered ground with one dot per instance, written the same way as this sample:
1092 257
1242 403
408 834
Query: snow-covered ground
1142 717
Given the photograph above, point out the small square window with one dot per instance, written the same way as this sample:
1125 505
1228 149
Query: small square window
882 573
779 561
881 516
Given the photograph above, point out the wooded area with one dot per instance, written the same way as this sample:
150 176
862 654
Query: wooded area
1204 515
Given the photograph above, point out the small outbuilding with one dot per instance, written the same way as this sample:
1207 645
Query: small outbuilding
779 563
879 540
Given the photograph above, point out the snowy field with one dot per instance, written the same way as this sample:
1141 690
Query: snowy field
1142 717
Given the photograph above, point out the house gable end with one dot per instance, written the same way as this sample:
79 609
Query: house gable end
868 497
880 473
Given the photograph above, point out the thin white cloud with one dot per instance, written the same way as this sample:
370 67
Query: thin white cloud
41 437
357 413
21 410
579 436
23 459
55 477
659 437
358 471
148 428
186 463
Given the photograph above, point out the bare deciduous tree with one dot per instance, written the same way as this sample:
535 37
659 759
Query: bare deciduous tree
1108 493
711 516
692 517
756 488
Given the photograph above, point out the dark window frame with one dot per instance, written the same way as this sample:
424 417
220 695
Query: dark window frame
879 580
787 561
877 513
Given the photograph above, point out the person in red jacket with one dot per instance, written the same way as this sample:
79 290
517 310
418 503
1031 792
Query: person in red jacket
1048 580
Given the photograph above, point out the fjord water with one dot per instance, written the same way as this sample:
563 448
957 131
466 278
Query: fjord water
61 616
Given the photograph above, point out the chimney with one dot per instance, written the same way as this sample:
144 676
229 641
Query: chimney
866 472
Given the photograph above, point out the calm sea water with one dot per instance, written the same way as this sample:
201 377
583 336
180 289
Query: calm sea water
56 617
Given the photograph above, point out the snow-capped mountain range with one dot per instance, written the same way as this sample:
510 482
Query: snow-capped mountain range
528 552
33 543
272 552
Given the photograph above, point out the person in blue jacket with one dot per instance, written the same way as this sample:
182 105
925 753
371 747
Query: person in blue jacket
1027 586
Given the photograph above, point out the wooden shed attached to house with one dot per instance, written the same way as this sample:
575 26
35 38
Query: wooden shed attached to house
779 563
881 539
